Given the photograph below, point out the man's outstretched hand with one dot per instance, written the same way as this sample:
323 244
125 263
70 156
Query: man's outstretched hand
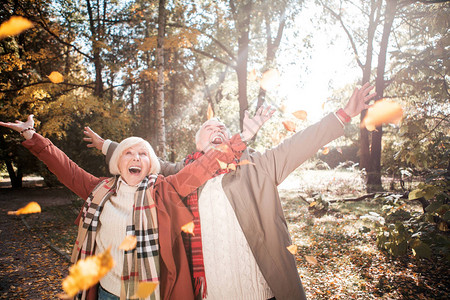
359 99
252 125
93 139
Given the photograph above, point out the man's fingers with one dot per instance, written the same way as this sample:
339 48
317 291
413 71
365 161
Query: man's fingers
86 139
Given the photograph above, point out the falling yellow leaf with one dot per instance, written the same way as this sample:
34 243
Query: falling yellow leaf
325 150
252 75
145 289
128 243
300 114
30 208
87 272
292 249
222 165
311 259
231 167
188 228
270 79
56 77
14 26
210 113
323 105
382 112
289 125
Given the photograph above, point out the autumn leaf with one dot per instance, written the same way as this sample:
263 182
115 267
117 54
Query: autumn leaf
188 228
289 125
311 259
382 112
231 167
210 113
300 114
128 243
245 162
14 26
292 249
145 289
30 208
270 79
325 150
56 77
252 75
87 272
222 165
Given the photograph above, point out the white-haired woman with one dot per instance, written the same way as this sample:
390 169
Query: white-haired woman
134 202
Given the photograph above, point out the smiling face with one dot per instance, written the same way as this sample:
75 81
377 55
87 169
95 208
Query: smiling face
212 133
134 164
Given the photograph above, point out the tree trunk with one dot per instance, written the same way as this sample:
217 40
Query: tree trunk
16 179
374 170
161 145
98 91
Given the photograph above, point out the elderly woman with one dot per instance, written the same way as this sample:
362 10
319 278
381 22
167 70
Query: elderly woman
133 202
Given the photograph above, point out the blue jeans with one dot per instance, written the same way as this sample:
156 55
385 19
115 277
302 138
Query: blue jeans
105 295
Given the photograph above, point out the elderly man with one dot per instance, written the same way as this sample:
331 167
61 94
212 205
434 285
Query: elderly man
239 250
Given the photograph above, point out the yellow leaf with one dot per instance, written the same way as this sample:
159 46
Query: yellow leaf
210 113
14 26
128 243
300 114
252 75
188 228
145 289
312 204
232 167
222 165
56 77
270 79
325 150
289 125
30 208
292 249
87 272
311 259
382 112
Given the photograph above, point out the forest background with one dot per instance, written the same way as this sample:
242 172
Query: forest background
152 69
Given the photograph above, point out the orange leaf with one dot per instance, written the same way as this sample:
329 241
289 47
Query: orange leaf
128 243
270 79
30 208
292 249
252 75
289 125
325 150
14 26
56 77
188 228
210 113
382 112
311 259
145 289
300 114
87 272
245 162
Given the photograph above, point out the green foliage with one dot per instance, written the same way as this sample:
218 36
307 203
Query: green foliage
426 234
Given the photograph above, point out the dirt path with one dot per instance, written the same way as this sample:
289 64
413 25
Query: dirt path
29 269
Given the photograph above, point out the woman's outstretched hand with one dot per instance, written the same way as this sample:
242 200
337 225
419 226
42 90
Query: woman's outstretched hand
25 128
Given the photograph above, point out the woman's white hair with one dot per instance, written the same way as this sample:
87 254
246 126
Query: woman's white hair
130 142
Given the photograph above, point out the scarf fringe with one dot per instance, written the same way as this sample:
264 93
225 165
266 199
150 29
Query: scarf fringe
200 284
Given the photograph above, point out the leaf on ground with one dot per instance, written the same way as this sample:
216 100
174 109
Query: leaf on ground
145 289
87 272
128 243
14 26
311 259
30 208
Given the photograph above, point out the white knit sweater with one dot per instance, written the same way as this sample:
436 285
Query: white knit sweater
230 267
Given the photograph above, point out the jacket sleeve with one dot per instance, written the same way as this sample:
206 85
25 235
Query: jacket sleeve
69 173
283 159
197 173
167 168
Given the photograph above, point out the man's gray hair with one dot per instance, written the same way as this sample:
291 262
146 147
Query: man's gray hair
197 134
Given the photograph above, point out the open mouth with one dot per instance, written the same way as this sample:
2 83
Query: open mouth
217 140
134 170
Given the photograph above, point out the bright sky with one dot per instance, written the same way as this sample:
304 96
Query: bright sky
308 76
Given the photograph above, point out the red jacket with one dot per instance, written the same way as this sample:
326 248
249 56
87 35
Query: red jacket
176 282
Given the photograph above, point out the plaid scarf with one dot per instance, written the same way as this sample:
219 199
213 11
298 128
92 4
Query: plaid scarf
140 264
193 243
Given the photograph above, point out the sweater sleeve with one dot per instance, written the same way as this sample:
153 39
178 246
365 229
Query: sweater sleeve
197 173
69 173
